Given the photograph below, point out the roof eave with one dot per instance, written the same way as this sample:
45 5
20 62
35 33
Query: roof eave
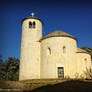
32 18
83 52
59 36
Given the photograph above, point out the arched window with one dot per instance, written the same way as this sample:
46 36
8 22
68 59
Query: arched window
85 59
32 24
64 49
49 50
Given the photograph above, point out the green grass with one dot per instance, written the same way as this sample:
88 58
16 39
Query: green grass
49 85
67 86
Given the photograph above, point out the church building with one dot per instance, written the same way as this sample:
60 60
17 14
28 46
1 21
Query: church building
55 55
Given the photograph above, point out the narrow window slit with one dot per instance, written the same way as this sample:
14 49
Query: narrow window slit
49 50
64 49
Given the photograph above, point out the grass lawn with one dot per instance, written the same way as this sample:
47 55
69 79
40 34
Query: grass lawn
47 85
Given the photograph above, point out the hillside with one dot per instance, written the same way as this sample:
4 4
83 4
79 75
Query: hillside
47 85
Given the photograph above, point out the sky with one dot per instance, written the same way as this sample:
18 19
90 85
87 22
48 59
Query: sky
71 16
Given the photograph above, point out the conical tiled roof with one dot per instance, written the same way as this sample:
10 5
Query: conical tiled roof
79 50
58 34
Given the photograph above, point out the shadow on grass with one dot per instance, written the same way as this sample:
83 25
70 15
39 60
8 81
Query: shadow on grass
3 84
67 86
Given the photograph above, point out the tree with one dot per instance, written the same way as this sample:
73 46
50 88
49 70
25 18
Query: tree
12 68
88 73
1 67
9 70
1 60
